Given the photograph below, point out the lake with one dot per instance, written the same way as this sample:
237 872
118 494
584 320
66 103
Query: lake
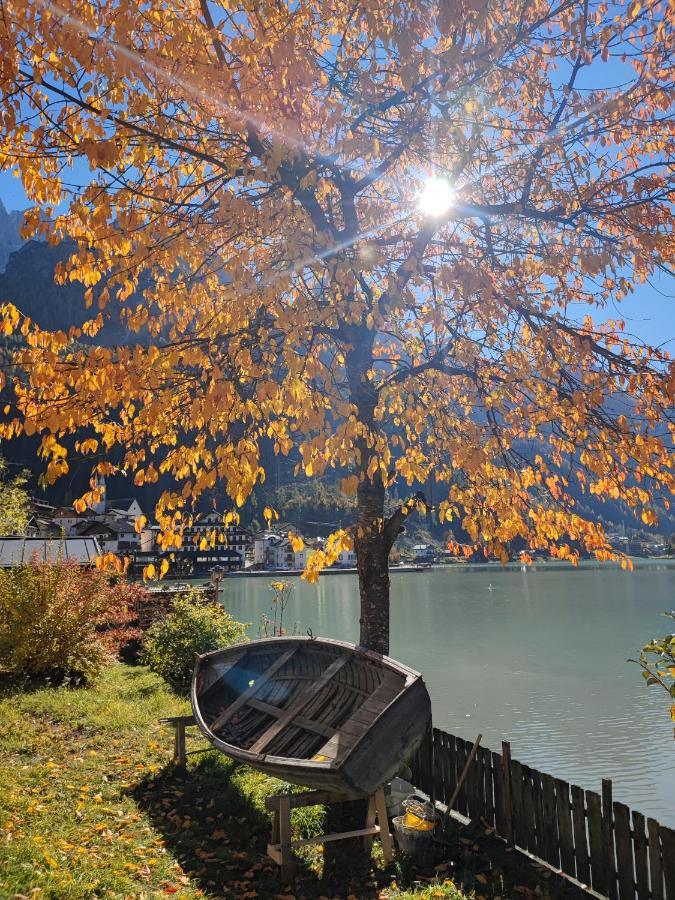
536 657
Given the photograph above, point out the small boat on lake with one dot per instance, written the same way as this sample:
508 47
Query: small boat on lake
312 711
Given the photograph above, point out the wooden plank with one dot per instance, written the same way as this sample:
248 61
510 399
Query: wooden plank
311 798
447 764
335 836
655 867
500 825
529 821
538 807
260 682
596 843
371 819
211 675
550 821
179 752
178 720
640 855
348 735
287 861
439 759
489 786
478 792
298 703
507 794
383 822
581 861
564 821
667 836
624 852
301 721
608 836
519 834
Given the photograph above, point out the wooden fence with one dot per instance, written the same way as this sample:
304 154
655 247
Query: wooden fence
603 844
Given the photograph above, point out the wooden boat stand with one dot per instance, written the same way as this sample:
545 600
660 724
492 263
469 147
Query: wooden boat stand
281 847
179 724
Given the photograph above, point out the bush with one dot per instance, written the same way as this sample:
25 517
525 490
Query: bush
193 625
61 620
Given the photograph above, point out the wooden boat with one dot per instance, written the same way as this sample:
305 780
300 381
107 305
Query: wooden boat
315 712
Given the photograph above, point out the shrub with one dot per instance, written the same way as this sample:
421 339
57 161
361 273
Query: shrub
60 620
193 625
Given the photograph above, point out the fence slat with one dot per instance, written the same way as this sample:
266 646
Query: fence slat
538 800
439 765
641 860
449 778
529 822
489 787
565 837
580 837
596 842
624 852
655 868
499 792
518 811
479 785
463 798
608 836
668 858
550 821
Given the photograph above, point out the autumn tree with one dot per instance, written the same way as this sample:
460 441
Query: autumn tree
14 502
372 233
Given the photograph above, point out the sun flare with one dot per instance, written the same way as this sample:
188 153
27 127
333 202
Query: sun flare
437 197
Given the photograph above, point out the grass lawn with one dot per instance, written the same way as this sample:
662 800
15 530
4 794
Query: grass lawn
90 807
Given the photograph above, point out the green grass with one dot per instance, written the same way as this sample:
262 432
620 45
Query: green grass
90 807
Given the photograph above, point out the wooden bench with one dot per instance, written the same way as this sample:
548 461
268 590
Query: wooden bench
281 846
179 724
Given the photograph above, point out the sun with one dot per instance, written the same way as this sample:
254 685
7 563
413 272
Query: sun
437 197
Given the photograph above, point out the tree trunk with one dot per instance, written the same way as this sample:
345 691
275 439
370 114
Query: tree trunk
372 560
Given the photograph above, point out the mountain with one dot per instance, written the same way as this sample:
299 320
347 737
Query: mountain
28 283
10 233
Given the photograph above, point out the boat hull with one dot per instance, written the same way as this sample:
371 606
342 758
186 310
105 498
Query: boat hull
359 716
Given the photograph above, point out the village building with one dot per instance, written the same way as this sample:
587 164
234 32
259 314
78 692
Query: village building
424 553
346 559
272 550
208 543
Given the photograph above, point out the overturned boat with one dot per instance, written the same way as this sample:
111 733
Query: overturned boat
315 712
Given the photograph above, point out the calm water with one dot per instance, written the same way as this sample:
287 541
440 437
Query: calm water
536 657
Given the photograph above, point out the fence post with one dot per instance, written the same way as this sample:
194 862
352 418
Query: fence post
608 836
507 792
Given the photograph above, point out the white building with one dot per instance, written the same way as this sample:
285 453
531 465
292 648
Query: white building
346 559
219 538
275 551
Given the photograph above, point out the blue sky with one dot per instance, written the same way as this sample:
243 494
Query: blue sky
649 313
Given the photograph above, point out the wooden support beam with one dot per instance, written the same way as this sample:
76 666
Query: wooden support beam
281 846
383 823
307 724
312 798
259 682
285 842
298 704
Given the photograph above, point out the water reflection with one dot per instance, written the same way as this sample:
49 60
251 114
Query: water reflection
538 659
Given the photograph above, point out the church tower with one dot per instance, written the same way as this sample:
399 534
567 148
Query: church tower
98 506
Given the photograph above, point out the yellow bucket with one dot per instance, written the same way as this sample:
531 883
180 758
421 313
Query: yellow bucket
410 820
